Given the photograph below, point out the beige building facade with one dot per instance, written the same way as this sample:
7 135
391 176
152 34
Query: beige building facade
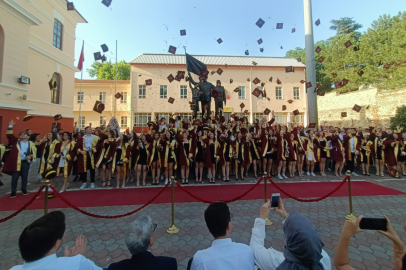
37 40
151 101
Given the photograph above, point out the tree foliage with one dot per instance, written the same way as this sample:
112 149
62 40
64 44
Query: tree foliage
106 71
345 26
399 119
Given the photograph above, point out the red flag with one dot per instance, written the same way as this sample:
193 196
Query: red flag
81 59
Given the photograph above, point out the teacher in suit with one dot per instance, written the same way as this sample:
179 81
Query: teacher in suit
139 242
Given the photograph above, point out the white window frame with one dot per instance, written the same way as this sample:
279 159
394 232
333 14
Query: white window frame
259 116
163 91
81 97
142 91
102 97
123 98
298 93
183 91
241 92
297 120
124 124
82 121
57 34
103 120
139 119
184 116
276 92
281 118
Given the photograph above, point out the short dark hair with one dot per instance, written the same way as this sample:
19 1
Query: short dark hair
88 127
38 239
178 117
217 217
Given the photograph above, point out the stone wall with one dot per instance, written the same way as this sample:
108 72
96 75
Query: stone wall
383 104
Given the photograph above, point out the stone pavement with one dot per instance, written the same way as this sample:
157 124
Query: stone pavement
106 237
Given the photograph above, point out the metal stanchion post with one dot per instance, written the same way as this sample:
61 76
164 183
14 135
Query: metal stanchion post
351 215
173 229
46 197
267 221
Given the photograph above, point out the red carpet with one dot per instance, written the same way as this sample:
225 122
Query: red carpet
93 198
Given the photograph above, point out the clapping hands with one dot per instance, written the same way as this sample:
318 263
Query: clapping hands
78 248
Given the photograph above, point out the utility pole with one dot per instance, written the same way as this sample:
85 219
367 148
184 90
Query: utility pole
115 86
310 63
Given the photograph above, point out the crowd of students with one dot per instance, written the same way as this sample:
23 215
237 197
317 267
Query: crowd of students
222 147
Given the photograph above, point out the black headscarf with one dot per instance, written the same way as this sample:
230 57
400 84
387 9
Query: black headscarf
303 244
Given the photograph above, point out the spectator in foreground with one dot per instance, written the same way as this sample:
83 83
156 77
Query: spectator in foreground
303 249
139 242
223 253
40 241
341 259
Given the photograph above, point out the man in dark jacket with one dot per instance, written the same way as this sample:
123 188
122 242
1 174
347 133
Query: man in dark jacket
139 241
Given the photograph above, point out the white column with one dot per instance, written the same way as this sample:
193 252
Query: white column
310 62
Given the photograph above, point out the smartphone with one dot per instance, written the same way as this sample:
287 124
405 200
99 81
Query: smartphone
376 224
275 200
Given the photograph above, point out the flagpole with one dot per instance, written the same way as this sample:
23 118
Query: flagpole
115 87
81 80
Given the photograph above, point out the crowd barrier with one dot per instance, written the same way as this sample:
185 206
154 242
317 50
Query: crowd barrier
173 229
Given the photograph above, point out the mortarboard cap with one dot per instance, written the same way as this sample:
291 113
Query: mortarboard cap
104 48
296 112
318 49
338 84
197 122
148 82
219 71
281 47
279 26
177 78
70 6
242 105
181 74
278 81
356 48
302 81
104 58
247 52
357 108
212 72
254 63
58 117
270 79
236 90
348 43
107 3
312 125
386 66
98 107
28 117
321 59
219 41
267 111
334 75
171 100
264 93
290 101
317 23
187 78
293 30
97 56
369 106
345 82
118 95
283 107
360 72
309 84
231 80
183 32
263 84
289 69
259 41
260 23
170 78
50 174
321 93
248 80
172 49
261 49
246 112
52 84
343 114
299 59
257 92
256 80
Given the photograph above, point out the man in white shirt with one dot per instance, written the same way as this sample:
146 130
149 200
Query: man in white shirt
303 249
40 241
89 152
223 253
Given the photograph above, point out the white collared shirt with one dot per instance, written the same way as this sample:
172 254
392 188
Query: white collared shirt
176 124
52 262
352 145
88 142
224 254
269 258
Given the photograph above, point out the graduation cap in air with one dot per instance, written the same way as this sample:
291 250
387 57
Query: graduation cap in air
97 56
348 43
219 71
248 80
260 23
104 58
321 59
289 69
356 48
302 81
334 75
183 32
360 72
105 48
171 100
344 114
187 78
247 52
219 41
318 49
256 81
279 26
264 93
357 108
257 92
98 107
312 125
118 95
236 90
296 112
281 47
321 93
369 106
231 80
290 101
261 50
254 63
338 84
212 72
170 78
148 82
58 117
52 84
181 74
283 107
242 105
309 84
293 30
278 81
28 117
268 99
299 60
260 41
317 23
345 82
246 112
270 79
107 3
263 84
172 49
70 6
267 111
386 66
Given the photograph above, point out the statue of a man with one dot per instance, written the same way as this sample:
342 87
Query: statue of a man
205 87
195 99
220 98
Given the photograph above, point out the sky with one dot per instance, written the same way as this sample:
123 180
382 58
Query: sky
151 26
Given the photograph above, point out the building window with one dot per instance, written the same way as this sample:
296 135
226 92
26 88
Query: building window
123 97
296 93
163 115
297 120
80 97
185 116
123 121
82 122
56 90
259 116
141 91
280 118
58 34
279 93
142 119
163 91
262 90
183 91
103 121
102 97
241 92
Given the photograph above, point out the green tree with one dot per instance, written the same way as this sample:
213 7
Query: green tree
345 26
106 71
399 119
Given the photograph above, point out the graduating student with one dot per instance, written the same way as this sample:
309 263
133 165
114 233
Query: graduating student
121 158
63 157
168 155
154 158
142 158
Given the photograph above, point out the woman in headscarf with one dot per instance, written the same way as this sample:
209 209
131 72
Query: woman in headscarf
303 249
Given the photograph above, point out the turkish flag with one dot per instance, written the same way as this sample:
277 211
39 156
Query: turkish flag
81 59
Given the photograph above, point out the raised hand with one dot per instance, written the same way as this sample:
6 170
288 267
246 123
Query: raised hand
78 248
11 123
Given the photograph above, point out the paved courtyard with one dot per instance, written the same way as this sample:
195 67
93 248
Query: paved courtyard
106 237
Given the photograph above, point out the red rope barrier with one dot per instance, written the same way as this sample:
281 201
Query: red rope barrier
309 200
227 201
100 216
24 206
